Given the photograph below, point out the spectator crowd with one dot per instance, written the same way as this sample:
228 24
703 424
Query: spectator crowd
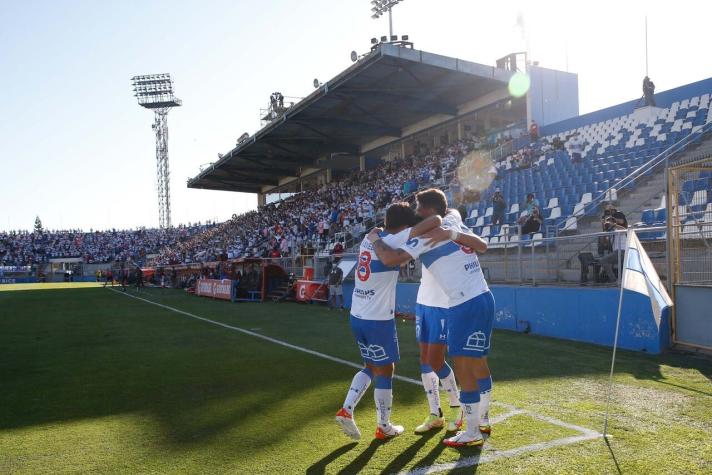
336 213
21 248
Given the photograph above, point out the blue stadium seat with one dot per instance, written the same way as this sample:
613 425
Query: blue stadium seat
661 215
648 217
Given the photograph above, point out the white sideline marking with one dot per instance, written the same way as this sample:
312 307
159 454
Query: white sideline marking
586 434
505 416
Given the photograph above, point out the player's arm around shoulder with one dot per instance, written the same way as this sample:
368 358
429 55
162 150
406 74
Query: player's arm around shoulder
426 225
466 239
386 254
471 240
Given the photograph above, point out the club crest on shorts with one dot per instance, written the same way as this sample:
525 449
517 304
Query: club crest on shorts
476 342
373 352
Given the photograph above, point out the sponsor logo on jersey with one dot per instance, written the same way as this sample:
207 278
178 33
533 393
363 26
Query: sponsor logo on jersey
364 292
472 266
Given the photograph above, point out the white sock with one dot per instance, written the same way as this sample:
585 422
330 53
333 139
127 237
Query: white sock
359 385
485 385
383 396
470 406
450 385
432 391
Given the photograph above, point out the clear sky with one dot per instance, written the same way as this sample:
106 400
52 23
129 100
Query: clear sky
77 150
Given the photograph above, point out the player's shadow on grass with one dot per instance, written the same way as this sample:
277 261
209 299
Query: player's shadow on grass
408 454
362 460
319 467
431 457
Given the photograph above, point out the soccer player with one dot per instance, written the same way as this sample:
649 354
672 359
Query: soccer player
431 332
109 278
449 254
139 278
373 323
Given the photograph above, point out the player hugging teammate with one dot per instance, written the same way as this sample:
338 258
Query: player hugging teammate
455 308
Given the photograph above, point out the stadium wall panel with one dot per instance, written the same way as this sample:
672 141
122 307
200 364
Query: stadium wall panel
553 96
586 315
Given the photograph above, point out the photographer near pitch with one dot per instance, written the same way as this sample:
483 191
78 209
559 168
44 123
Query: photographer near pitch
613 221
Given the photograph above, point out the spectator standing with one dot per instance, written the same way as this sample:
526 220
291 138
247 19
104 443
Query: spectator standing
499 206
649 91
534 131
336 278
615 222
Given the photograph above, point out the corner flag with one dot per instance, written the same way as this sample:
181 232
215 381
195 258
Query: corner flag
639 275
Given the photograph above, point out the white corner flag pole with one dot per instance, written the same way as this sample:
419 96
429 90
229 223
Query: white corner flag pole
615 339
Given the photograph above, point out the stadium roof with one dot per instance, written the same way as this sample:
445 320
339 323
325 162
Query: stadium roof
378 96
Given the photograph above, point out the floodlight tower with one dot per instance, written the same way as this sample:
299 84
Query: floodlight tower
155 92
382 6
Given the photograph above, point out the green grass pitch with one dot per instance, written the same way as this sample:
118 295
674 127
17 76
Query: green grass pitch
95 381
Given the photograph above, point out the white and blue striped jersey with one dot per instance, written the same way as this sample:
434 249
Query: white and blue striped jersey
456 268
429 291
374 296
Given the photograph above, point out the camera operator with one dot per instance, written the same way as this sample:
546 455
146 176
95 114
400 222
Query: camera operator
649 91
613 221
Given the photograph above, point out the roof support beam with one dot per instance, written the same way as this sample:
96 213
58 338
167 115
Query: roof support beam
409 102
364 126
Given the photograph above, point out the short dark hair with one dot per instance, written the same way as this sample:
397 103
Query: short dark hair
433 198
398 215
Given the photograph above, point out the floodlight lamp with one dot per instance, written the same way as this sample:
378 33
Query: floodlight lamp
316 83
374 41
404 37
354 56
384 38
394 37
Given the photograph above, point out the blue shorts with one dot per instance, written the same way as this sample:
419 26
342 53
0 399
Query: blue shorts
377 340
430 324
469 327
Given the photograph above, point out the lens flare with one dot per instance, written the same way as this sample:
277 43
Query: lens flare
519 84
475 174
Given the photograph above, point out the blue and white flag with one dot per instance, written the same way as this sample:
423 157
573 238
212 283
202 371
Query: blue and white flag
639 275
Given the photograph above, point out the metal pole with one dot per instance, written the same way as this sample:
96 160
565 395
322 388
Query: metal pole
531 242
646 45
668 232
519 253
615 347
390 23
546 250
620 268
557 260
